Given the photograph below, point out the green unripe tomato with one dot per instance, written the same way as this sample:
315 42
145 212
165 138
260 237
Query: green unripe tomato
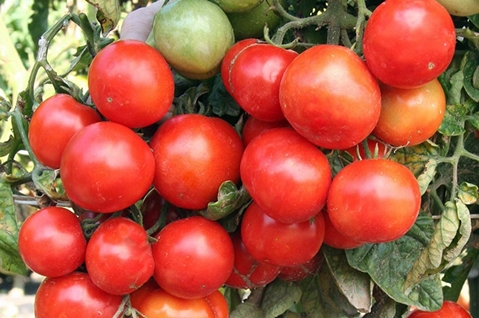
193 36
236 5
461 8
251 24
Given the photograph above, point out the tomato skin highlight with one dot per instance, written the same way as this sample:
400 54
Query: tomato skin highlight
329 96
286 175
123 69
280 244
410 116
424 32
374 200
193 257
74 296
194 155
51 242
101 162
54 123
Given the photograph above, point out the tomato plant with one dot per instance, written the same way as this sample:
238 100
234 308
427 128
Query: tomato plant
448 309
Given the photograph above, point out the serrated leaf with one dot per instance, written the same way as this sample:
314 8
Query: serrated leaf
279 297
247 310
471 74
468 193
389 263
453 121
426 177
449 238
230 199
356 286
7 146
108 13
416 157
10 260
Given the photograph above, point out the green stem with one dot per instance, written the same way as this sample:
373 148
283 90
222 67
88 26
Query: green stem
363 14
24 136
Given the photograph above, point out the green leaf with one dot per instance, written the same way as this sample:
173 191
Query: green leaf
454 93
279 297
416 157
108 13
247 310
453 122
7 146
474 120
10 260
356 286
230 199
456 276
449 238
39 19
5 107
471 75
221 102
468 193
44 180
426 177
386 307
389 263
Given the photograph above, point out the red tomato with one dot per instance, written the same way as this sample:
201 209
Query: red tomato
409 43
297 273
449 309
374 200
102 162
51 242
280 244
286 175
336 239
248 272
53 123
229 58
219 304
253 127
131 83
410 116
193 257
329 96
254 77
194 155
74 296
118 256
376 147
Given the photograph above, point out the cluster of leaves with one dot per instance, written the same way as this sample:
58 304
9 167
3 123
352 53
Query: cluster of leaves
429 264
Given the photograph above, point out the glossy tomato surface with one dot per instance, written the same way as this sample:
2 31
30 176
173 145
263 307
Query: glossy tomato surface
330 97
336 239
131 83
74 296
51 242
410 116
254 79
254 127
193 36
449 309
193 257
374 200
409 43
280 244
194 155
53 124
286 175
118 256
100 165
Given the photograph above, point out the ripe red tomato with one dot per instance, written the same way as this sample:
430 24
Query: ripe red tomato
194 155
253 127
329 96
219 304
448 309
131 83
299 272
409 43
280 244
410 116
286 175
374 200
74 296
336 239
193 257
53 123
51 242
118 256
248 272
101 163
254 77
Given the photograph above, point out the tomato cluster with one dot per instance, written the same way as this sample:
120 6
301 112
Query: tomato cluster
143 193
